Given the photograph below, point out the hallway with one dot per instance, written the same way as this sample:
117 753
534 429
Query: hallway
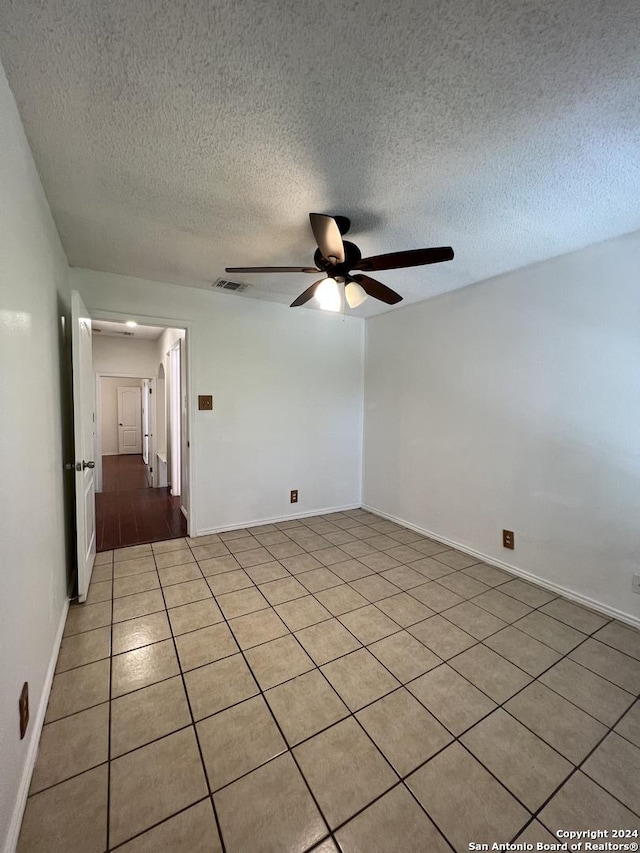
129 512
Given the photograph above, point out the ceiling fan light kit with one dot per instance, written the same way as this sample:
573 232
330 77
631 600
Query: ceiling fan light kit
337 258
328 294
354 294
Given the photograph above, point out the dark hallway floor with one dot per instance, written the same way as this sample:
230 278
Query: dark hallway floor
128 512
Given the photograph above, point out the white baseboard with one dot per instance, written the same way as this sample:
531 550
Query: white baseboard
567 592
32 753
260 521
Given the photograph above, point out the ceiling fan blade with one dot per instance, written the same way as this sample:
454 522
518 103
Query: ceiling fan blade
271 269
328 237
376 289
412 258
307 295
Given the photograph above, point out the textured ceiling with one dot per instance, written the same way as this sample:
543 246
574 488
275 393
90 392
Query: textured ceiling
176 138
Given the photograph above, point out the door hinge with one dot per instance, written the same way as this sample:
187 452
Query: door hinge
151 390
150 469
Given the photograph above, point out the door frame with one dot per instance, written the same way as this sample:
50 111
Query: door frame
187 356
110 374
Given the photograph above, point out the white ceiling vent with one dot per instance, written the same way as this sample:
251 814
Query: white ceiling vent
225 284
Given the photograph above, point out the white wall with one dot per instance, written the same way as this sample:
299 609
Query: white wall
516 404
287 387
124 355
164 343
34 389
109 410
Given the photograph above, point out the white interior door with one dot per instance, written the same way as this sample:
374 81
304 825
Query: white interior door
184 431
83 431
175 416
129 420
146 422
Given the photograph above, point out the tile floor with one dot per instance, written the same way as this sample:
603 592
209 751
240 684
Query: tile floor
333 683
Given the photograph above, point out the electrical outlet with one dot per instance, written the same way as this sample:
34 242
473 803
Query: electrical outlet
635 583
508 539
23 705
294 496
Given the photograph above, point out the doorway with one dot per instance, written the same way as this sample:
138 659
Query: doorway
138 499
123 429
130 419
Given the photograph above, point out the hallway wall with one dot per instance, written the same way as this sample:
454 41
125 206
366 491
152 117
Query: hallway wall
124 355
34 429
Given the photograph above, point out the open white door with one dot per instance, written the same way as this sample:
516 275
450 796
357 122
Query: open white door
83 432
147 429
175 393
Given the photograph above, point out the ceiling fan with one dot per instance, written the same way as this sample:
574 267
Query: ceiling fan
337 258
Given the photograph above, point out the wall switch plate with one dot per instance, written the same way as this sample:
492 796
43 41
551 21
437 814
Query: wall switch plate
508 539
294 496
23 705
635 583
205 402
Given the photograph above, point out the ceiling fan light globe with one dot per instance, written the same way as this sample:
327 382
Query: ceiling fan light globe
328 292
355 295
331 304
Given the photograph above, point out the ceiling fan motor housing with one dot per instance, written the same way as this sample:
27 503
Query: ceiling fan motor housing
352 256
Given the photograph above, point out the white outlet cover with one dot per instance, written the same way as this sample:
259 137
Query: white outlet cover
635 583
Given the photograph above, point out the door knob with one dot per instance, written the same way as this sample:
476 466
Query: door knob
88 464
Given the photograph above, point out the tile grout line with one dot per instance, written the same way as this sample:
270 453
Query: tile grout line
401 628
578 769
160 822
193 726
401 684
109 714
380 573
501 705
352 714
277 724
575 767
313 594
